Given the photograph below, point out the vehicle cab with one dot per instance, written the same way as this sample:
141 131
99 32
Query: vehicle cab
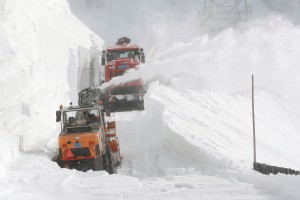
82 138
117 60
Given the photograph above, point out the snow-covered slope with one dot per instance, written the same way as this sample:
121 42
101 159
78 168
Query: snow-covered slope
194 138
203 100
212 78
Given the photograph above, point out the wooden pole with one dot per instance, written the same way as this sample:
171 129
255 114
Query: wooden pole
253 122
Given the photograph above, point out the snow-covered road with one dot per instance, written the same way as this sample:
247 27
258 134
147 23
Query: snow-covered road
193 141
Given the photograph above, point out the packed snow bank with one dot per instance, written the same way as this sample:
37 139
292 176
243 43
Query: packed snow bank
204 131
42 45
215 128
37 177
224 64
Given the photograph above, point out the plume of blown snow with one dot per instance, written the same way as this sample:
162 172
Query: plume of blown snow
225 62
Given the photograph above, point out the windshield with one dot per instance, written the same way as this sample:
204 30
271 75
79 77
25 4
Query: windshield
83 120
113 55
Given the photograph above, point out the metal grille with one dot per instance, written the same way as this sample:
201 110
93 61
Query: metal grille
125 90
81 152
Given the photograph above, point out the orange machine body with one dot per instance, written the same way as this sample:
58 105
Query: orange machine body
85 142
86 145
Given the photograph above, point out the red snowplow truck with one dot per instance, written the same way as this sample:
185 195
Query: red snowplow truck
117 60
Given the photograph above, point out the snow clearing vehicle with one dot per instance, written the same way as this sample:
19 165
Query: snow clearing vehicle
117 60
86 141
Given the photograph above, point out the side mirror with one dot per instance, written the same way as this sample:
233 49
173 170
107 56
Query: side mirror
103 57
58 116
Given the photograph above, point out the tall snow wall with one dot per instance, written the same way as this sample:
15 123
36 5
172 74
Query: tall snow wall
43 55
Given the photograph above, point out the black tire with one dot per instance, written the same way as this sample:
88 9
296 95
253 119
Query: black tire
98 164
141 106
107 161
104 161
59 163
